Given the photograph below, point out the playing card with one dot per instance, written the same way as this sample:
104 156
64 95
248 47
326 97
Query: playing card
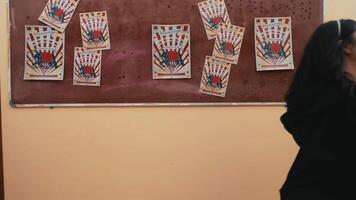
171 51
58 13
273 43
87 67
95 30
228 43
215 77
44 53
213 12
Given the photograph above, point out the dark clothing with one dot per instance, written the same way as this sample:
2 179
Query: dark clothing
322 121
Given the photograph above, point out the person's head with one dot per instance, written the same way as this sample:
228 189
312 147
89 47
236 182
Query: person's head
330 47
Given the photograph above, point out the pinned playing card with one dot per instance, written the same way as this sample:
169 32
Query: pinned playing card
215 77
213 12
228 43
44 53
95 30
87 67
273 43
171 51
58 13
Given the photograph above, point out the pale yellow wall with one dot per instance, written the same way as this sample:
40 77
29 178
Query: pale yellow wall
338 9
145 153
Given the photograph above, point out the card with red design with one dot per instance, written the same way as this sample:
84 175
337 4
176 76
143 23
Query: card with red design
44 53
213 12
228 43
87 67
273 43
171 51
95 30
58 13
215 78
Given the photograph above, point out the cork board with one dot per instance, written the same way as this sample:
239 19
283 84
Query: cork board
127 67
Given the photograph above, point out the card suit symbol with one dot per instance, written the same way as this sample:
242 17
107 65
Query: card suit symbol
216 80
46 57
229 46
88 69
217 20
173 56
276 47
59 13
96 34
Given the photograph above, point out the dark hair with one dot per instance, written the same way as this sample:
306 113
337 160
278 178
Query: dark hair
323 60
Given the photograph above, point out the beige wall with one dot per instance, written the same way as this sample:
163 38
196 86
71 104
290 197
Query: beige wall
144 153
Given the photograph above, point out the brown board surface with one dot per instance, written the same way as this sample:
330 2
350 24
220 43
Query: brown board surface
127 67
